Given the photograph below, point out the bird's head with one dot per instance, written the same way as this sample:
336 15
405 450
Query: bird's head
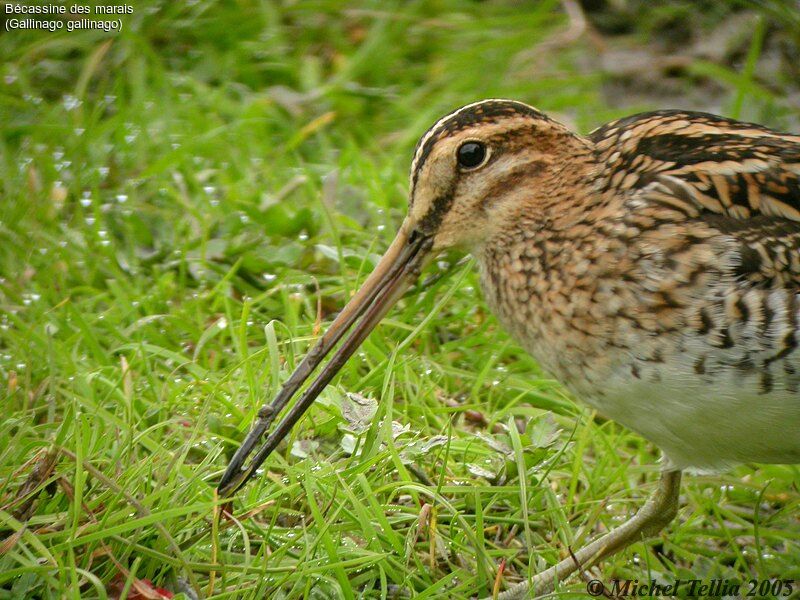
473 171
477 167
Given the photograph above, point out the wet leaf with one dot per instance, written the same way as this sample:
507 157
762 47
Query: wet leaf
479 471
496 444
399 429
303 448
358 411
542 432
349 443
422 447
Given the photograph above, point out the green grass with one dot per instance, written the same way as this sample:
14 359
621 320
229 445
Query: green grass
185 205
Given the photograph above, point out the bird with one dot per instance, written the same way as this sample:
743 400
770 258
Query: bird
651 266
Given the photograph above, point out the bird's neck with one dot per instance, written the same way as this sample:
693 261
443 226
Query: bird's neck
560 204
538 271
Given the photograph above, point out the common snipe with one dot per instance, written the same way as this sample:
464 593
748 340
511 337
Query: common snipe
652 266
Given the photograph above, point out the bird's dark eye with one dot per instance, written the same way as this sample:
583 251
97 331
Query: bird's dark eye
471 154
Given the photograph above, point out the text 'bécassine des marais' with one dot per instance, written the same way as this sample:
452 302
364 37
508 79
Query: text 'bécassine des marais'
63 9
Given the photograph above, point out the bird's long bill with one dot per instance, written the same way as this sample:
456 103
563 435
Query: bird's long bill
395 272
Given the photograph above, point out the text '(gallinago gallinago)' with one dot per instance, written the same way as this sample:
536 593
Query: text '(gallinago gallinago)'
652 266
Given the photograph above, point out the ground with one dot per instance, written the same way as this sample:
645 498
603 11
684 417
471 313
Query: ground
184 206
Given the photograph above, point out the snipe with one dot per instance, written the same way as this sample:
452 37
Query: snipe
652 266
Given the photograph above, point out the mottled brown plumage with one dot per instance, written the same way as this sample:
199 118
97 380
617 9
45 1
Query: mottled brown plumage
644 260
651 266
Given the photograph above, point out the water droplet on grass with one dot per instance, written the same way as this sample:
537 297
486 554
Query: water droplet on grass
70 102
28 299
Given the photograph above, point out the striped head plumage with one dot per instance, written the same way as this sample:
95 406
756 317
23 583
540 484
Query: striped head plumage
478 165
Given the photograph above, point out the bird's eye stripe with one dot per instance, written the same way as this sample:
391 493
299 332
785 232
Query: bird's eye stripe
484 111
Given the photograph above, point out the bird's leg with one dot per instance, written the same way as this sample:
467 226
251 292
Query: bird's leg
659 510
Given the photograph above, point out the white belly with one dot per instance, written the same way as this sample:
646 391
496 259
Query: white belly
702 421
706 427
